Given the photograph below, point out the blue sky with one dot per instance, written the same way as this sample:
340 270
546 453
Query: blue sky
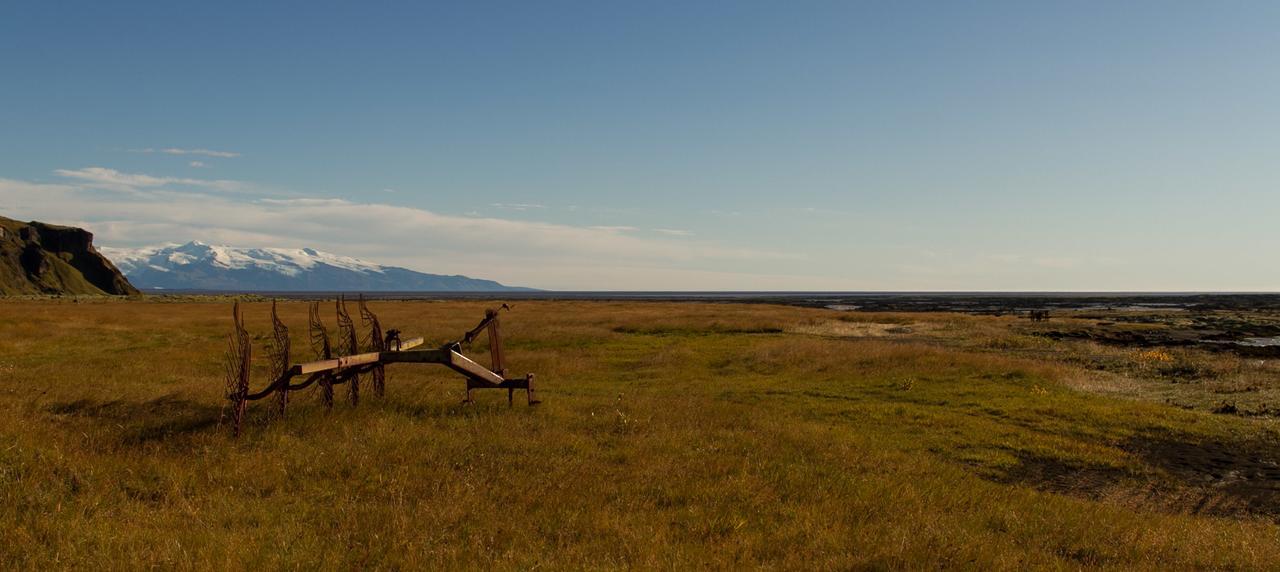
673 146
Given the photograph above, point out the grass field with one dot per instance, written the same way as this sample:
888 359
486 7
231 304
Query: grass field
672 435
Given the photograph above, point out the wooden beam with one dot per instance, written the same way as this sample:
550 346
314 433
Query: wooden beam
336 363
410 344
462 364
357 359
495 347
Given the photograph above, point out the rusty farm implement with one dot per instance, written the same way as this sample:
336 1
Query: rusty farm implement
348 359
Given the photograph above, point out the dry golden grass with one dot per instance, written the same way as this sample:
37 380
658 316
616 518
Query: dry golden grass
672 436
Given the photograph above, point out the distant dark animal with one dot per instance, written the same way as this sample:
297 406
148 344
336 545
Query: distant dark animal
392 335
1039 315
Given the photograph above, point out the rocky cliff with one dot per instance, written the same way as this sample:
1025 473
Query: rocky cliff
39 258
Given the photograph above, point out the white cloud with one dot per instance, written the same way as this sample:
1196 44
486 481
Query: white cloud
516 206
102 177
15 187
673 232
179 151
520 252
530 238
198 164
614 228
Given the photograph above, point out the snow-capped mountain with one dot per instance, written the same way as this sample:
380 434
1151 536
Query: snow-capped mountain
200 266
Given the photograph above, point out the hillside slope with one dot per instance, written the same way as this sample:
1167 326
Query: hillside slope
39 258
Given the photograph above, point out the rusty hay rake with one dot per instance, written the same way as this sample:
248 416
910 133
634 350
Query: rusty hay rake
348 359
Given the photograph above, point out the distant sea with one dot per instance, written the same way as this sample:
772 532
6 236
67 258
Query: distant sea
980 302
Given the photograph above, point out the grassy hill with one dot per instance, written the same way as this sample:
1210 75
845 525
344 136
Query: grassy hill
671 436
39 258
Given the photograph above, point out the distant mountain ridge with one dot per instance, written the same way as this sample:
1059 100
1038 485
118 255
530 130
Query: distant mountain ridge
199 266
41 258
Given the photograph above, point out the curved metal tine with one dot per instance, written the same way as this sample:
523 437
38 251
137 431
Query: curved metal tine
323 350
348 344
374 343
278 352
236 365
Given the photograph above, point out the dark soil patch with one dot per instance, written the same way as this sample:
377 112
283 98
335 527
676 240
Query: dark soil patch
1179 474
1223 478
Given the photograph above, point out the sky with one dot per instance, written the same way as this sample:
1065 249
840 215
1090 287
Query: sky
598 145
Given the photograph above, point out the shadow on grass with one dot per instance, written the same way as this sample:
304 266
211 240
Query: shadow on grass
453 409
1061 476
146 421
